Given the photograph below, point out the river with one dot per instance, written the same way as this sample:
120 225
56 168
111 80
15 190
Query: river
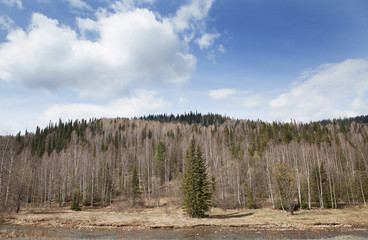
196 233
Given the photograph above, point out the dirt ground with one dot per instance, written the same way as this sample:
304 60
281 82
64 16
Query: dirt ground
173 217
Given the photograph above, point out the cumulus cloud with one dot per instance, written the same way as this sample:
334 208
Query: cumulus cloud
330 91
142 103
12 3
124 47
131 48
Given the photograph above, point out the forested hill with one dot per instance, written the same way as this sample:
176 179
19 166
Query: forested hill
326 162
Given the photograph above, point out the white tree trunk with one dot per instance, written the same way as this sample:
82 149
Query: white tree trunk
2 164
9 178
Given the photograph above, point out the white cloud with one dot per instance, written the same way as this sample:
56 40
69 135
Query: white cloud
144 102
110 55
234 97
190 20
123 5
12 3
221 49
330 91
79 4
192 15
6 23
206 40
124 47
225 94
253 101
132 48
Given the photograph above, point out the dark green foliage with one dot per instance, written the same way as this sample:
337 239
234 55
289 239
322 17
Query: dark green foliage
304 205
135 191
250 200
206 120
160 161
149 134
361 180
319 183
75 201
286 186
20 140
117 140
104 147
196 187
144 134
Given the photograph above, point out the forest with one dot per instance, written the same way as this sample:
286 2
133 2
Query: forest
250 164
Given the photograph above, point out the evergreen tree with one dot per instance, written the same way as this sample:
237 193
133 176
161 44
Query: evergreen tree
320 193
135 185
196 187
160 161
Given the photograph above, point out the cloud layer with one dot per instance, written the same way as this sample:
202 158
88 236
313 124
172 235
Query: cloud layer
12 3
329 91
142 103
106 57
332 90
132 48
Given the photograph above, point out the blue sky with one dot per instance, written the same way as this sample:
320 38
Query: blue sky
264 59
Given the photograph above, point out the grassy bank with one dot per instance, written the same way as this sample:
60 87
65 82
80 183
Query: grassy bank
172 217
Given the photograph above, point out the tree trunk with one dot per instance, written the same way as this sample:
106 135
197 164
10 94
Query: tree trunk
320 183
9 178
2 164
269 182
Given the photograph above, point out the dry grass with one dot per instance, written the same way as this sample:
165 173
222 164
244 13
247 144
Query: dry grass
172 216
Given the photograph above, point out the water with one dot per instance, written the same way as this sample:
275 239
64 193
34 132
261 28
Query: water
179 234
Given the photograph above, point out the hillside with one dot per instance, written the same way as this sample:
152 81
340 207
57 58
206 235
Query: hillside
326 162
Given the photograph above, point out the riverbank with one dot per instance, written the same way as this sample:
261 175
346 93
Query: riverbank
170 217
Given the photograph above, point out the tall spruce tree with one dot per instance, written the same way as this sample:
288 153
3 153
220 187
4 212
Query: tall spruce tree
135 185
196 187
160 161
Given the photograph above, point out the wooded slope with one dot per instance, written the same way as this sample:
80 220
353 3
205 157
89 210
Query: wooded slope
326 161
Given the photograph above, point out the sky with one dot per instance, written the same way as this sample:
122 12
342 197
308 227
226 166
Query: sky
247 59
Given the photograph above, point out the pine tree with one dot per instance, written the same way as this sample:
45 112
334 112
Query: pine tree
196 187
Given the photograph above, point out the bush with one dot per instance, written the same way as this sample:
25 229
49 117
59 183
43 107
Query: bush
304 205
75 202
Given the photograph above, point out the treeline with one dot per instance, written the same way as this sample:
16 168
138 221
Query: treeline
191 117
250 164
